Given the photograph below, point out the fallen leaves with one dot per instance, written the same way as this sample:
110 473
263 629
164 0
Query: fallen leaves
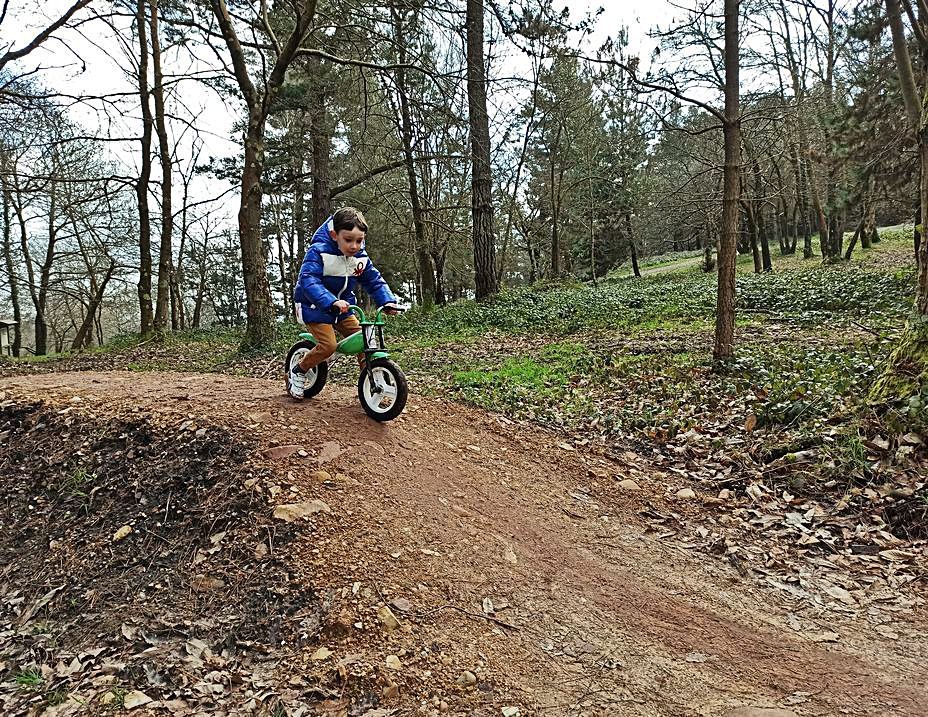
134 699
323 653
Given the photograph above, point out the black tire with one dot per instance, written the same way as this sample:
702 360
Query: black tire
321 371
394 375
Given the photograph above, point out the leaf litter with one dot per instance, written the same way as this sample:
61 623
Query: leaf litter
130 578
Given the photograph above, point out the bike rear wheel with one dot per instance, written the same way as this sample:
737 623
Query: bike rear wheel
315 377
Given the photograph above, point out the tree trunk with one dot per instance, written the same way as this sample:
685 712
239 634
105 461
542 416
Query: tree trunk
786 242
166 252
757 210
438 259
532 256
259 309
321 148
285 287
83 337
299 204
708 258
835 234
752 237
866 234
16 196
636 270
16 346
731 130
201 288
41 323
553 191
766 264
423 258
824 242
146 314
801 176
858 233
481 178
804 212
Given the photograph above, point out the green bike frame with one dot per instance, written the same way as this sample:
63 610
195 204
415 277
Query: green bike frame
369 340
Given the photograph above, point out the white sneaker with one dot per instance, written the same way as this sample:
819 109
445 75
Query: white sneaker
296 383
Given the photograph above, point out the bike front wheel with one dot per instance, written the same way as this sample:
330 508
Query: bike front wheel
382 390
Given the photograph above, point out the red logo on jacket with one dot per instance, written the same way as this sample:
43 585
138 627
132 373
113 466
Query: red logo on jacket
359 269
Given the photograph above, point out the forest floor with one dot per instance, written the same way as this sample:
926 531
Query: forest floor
611 528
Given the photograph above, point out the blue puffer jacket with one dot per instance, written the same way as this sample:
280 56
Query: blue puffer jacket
327 275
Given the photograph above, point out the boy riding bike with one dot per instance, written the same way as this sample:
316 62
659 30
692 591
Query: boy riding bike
334 263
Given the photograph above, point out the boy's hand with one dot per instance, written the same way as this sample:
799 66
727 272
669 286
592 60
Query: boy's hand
391 309
341 305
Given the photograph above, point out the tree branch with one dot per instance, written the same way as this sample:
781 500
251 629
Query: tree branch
42 36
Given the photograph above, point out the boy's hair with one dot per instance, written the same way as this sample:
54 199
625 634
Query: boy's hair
348 218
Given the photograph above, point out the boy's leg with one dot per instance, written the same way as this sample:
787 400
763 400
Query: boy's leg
325 346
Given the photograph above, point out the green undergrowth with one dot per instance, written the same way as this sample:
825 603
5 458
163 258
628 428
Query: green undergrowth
632 356
613 387
816 295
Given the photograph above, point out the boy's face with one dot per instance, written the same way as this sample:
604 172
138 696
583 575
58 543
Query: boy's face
349 240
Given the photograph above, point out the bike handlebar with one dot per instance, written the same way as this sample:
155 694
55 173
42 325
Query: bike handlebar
378 318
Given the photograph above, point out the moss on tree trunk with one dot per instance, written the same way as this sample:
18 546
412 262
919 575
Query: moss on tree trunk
903 384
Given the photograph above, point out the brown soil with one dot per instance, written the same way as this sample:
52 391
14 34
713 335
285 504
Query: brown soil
593 611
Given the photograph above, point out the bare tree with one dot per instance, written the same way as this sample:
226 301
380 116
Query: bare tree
146 314
166 252
424 261
258 98
10 54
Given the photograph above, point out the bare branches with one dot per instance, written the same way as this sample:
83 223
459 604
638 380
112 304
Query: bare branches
12 55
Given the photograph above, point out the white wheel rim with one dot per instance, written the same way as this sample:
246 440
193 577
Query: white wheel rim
298 356
382 401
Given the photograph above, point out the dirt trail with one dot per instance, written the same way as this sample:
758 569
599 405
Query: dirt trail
448 506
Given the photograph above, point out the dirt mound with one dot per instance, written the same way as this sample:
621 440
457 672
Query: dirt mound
137 558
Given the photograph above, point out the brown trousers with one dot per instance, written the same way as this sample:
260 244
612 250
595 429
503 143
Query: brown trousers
326 341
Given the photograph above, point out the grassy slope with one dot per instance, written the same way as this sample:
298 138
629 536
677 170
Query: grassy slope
632 355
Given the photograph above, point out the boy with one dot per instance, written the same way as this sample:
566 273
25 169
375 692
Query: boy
332 267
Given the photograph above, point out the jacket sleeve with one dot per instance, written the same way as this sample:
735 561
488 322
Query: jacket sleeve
375 285
310 289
